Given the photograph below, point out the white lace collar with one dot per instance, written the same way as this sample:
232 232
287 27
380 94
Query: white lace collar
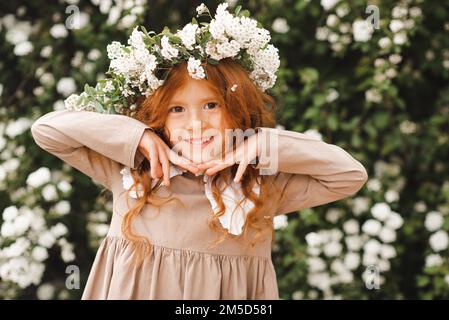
230 196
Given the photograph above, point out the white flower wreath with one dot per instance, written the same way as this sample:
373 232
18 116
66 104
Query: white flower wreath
141 67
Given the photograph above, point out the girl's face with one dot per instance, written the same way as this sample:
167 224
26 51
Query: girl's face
195 122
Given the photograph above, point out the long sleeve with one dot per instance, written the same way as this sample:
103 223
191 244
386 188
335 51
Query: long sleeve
309 171
91 142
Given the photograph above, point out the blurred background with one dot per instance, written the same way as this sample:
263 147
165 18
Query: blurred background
369 76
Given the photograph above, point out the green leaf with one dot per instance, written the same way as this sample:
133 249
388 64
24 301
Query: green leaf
332 122
237 10
175 39
245 13
422 281
308 75
194 21
212 61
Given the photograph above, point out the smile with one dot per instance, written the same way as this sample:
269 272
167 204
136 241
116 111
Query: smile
200 141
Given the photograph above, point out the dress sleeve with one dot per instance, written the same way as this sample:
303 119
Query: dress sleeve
309 171
94 143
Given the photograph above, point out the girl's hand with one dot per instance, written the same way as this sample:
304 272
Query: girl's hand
245 152
160 155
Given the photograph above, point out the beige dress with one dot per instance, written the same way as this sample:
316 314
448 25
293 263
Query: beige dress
182 265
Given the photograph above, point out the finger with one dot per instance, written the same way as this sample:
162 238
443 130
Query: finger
240 171
182 162
153 161
165 167
217 168
207 165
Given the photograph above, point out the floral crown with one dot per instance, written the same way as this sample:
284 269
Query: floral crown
141 67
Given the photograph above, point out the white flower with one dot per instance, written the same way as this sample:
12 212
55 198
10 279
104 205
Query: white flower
394 221
66 86
322 33
45 292
280 221
328 4
369 259
354 243
59 31
17 127
381 211
400 38
313 239
352 260
351 226
396 25
46 239
360 205
46 51
39 253
23 48
362 30
391 196
434 221
94 54
372 227
387 251
67 253
316 264
395 58
439 240
332 249
332 20
168 51
333 214
62 207
280 25
415 12
188 35
39 177
59 230
384 42
7 229
64 186
10 213
372 247
195 69
387 235
434 260
399 12
332 95
373 95
49 192
201 9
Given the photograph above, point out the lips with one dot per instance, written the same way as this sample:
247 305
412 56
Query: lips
200 141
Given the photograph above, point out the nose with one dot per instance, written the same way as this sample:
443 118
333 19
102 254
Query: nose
197 121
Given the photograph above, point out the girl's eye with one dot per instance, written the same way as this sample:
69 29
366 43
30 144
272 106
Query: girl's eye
179 109
212 103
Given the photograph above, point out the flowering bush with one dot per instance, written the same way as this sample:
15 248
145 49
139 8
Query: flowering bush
372 80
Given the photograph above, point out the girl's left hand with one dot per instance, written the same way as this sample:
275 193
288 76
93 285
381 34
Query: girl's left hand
244 154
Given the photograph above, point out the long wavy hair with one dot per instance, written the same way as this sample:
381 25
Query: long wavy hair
245 108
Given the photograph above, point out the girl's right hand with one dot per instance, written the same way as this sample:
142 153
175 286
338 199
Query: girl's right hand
160 155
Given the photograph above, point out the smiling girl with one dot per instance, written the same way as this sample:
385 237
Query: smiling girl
214 240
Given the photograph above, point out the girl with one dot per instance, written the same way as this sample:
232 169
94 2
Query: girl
213 241
179 263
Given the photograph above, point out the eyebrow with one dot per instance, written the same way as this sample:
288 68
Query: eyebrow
202 100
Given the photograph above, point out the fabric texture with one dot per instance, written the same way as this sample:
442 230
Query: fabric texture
183 264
